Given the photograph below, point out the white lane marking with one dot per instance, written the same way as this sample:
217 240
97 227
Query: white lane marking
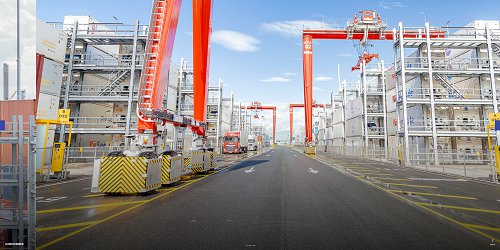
64 182
50 199
313 171
249 170
268 155
435 179
295 155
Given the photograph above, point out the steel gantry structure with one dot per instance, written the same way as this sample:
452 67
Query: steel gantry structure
258 106
296 105
363 29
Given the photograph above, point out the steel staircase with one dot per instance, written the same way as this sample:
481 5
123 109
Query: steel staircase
451 90
496 49
122 75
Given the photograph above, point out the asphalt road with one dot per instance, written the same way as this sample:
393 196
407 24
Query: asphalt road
281 199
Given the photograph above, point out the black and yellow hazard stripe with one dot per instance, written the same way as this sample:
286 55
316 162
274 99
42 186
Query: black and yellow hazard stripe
165 169
197 169
122 174
187 164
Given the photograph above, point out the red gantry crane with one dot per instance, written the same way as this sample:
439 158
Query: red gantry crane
296 105
258 106
365 26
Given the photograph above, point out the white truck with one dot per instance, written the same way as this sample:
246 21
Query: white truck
252 143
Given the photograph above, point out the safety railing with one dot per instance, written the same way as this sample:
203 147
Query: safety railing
448 64
88 154
106 60
187 107
107 122
444 124
465 162
375 130
95 90
441 93
104 29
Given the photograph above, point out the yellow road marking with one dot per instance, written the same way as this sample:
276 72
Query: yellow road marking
93 195
408 185
80 224
394 179
120 213
489 237
86 207
459 208
368 171
432 194
496 229
378 174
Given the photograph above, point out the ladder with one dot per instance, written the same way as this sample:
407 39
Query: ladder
451 90
149 71
122 75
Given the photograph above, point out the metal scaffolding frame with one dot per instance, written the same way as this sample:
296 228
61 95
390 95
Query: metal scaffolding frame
427 67
20 178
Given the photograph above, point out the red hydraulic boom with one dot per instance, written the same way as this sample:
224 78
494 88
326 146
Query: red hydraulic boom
258 106
163 26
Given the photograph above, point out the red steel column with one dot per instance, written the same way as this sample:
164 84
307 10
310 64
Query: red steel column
307 74
274 125
291 123
202 27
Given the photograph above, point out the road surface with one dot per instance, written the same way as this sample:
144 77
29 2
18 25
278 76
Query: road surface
279 199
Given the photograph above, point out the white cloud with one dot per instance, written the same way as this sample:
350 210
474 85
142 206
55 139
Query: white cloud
276 79
294 28
317 89
28 40
290 74
390 5
323 79
234 40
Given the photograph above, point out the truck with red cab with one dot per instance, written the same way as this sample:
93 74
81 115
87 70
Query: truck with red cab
235 142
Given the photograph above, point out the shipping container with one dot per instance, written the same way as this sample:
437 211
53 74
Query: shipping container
51 77
337 130
391 100
47 107
50 42
354 127
7 110
354 108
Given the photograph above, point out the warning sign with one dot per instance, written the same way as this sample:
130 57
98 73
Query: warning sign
63 115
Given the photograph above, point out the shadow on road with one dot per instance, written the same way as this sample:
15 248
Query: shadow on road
246 164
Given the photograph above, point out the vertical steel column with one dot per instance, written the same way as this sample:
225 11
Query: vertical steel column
231 117
219 110
307 74
179 87
492 70
240 125
31 184
69 77
131 84
5 81
344 103
431 87
21 188
384 107
18 61
403 89
364 91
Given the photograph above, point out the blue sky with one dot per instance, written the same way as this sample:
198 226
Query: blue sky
254 49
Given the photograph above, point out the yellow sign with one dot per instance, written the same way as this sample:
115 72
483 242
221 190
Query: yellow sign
63 115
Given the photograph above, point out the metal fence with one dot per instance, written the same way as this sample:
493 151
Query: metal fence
469 163
88 154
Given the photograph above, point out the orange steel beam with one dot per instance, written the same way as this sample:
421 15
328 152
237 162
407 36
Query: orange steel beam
164 19
202 28
273 108
292 106
307 57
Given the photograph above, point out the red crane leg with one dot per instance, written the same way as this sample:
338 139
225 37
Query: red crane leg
274 125
291 123
202 27
307 74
